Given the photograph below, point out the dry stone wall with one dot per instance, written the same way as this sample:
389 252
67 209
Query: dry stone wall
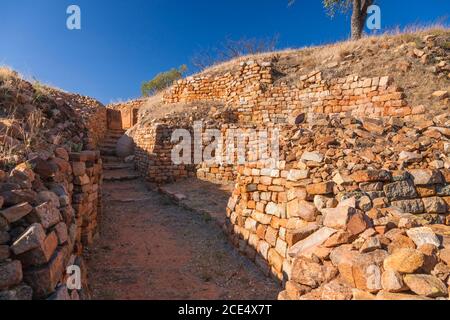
128 112
48 212
258 98
153 154
50 190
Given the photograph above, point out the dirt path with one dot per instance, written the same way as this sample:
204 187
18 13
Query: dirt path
152 249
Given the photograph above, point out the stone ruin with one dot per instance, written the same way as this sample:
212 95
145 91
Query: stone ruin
50 192
357 206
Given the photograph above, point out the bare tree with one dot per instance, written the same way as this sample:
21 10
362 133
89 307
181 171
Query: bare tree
359 12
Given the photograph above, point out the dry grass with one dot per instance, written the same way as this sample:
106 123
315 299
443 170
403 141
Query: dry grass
18 135
316 54
6 73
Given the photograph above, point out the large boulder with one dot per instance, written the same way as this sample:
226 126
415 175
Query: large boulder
125 147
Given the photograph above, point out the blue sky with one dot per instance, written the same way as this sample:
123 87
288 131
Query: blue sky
122 43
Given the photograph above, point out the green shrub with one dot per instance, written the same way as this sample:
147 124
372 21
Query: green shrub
162 81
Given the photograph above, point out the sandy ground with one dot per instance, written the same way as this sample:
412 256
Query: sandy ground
150 249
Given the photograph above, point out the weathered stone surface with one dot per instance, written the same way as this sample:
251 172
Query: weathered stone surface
17 212
358 223
275 260
44 168
62 153
48 196
271 236
19 293
296 235
336 291
371 176
31 239
374 125
415 206
371 244
4 237
313 241
366 270
392 281
10 274
16 196
361 295
337 218
275 209
426 176
435 205
400 241
312 274
61 294
4 252
444 255
43 280
383 295
426 285
295 290
82 180
406 156
261 218
313 156
339 238
296 175
79 168
422 236
42 254
342 179
46 214
440 94
443 190
303 209
405 261
400 190
323 202
320 188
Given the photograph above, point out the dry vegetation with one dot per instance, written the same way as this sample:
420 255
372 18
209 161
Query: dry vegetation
35 117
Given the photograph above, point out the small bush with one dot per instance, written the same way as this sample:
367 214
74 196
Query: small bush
162 81
231 49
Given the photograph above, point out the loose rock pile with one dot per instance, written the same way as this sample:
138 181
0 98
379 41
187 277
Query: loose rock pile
50 190
48 213
345 210
37 118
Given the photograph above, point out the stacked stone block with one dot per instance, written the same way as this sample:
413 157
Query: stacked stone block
345 239
42 226
258 98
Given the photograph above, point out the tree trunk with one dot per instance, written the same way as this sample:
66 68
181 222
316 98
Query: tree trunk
358 19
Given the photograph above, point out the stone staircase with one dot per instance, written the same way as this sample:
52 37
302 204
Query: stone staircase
115 169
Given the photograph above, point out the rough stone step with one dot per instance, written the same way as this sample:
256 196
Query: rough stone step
111 159
114 134
120 175
117 166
